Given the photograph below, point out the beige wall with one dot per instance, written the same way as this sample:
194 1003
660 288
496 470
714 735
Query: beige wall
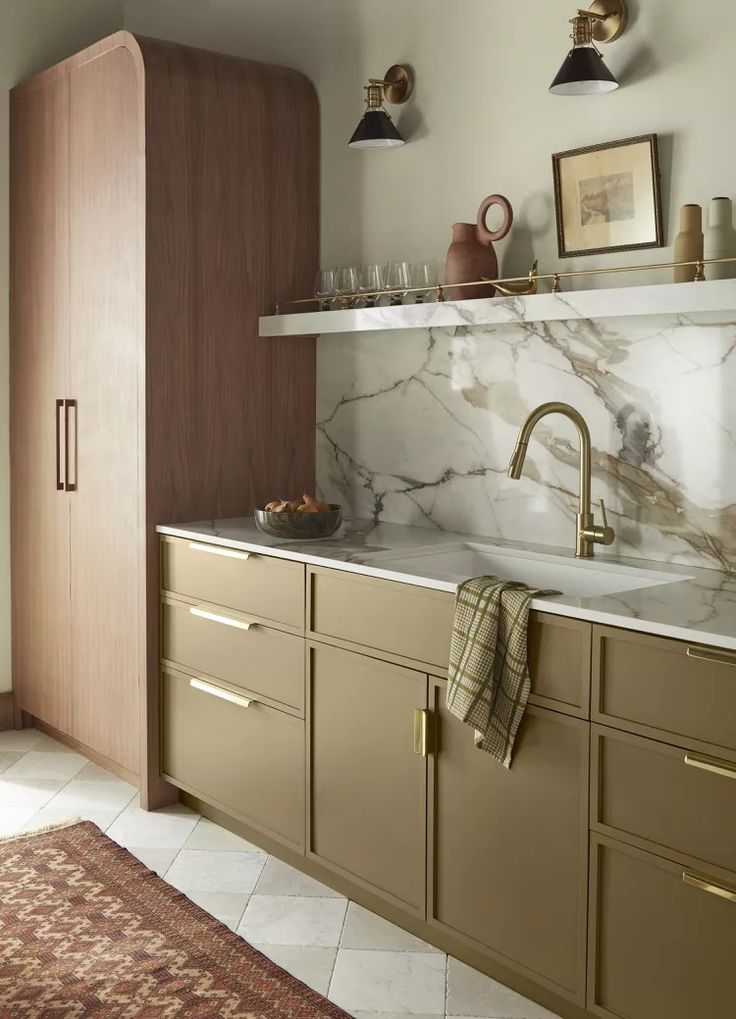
482 120
33 34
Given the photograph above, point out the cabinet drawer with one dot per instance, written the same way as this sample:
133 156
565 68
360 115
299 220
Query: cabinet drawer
249 761
263 586
559 663
663 938
401 619
682 801
216 642
664 688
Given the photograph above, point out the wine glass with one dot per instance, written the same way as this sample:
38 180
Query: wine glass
397 279
422 279
324 288
346 283
371 283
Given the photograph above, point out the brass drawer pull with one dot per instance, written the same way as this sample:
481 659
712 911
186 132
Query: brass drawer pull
711 764
708 886
215 617
224 695
704 655
227 553
420 731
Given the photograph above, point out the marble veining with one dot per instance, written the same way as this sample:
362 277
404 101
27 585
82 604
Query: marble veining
417 427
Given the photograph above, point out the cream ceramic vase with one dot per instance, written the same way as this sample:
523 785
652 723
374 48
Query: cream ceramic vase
720 239
689 242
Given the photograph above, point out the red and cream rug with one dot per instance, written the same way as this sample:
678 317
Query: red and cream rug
88 930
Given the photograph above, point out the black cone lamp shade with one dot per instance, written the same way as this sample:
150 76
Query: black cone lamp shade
376 130
583 73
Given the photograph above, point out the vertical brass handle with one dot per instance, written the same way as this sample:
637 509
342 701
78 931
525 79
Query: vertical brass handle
70 486
706 885
420 731
59 482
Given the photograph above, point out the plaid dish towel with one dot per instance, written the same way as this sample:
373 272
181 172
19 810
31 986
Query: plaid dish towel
489 676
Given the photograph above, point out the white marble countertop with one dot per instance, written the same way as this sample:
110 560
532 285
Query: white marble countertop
699 608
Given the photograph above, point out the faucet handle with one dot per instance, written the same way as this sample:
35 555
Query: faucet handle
604 535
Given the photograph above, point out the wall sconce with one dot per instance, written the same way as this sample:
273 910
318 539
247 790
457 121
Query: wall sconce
376 130
583 71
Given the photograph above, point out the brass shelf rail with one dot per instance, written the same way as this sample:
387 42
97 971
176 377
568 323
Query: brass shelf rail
556 277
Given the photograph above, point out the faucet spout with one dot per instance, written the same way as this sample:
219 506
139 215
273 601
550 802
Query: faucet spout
587 533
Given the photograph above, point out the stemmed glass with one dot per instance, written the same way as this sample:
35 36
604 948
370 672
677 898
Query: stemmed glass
371 283
324 288
397 279
346 282
422 279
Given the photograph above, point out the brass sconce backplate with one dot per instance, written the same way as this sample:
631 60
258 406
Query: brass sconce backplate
614 12
398 84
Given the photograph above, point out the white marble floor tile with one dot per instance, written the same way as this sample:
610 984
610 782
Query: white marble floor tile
212 870
7 758
27 791
20 739
399 982
49 745
224 906
48 764
364 929
279 878
293 920
208 835
470 993
51 814
94 773
113 795
14 818
393 1015
168 828
313 966
158 860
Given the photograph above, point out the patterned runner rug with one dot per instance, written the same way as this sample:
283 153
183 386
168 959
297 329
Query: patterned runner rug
87 930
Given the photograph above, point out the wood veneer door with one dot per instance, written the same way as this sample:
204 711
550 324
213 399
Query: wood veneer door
106 372
367 786
39 342
509 848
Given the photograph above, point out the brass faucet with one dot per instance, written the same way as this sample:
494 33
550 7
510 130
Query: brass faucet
587 533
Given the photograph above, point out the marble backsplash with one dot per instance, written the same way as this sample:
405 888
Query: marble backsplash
417 427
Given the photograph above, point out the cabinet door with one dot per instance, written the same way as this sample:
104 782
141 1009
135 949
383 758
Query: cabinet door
367 785
106 368
509 847
39 213
662 937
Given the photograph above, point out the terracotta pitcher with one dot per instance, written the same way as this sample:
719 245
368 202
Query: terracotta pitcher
471 256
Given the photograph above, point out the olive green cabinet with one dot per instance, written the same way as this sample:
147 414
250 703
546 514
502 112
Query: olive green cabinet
367 778
509 848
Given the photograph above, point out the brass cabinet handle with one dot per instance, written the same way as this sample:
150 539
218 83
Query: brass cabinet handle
420 731
706 885
218 691
711 764
70 486
226 553
59 482
704 655
215 617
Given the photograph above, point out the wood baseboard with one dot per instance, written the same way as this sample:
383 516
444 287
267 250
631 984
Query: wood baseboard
7 711
80 748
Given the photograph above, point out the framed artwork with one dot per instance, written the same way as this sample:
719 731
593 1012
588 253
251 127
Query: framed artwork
607 197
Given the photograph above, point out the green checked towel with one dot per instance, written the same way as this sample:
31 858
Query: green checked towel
489 676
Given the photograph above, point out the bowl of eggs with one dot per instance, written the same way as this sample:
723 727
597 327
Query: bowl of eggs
299 519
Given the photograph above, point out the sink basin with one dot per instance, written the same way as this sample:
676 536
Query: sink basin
575 578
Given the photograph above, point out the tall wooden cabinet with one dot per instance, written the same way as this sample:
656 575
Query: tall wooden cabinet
162 198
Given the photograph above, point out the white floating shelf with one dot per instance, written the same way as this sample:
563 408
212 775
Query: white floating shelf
615 302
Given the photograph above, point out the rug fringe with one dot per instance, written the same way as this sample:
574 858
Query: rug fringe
42 831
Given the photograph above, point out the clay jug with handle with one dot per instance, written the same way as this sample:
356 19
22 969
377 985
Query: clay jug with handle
471 255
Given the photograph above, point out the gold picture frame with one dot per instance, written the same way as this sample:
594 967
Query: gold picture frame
607 197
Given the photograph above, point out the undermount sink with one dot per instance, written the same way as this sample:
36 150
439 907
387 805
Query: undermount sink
576 578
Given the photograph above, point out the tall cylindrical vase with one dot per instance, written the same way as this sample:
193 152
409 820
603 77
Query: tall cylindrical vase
720 239
689 242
